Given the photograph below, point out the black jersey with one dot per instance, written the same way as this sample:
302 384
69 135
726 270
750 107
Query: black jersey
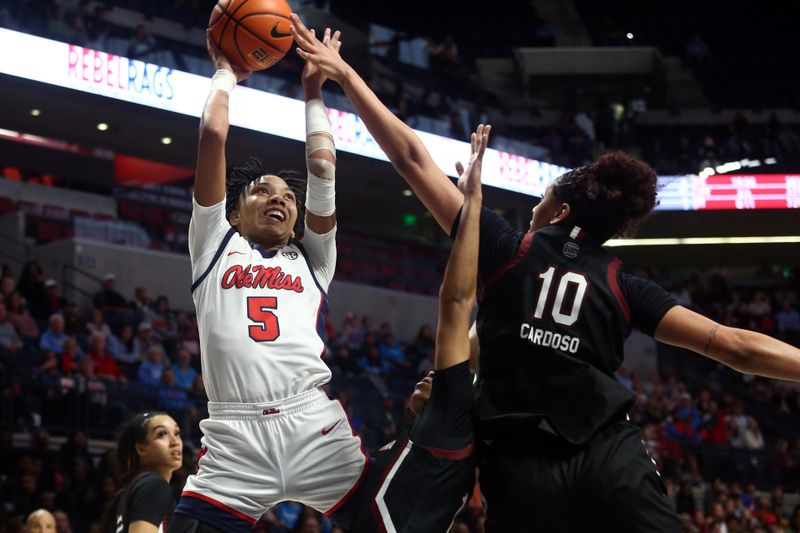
148 498
552 319
419 483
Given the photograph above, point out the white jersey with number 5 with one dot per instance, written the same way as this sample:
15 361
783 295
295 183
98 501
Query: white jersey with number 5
259 313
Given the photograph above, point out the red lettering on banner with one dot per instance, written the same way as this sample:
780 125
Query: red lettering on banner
73 61
85 53
98 67
259 277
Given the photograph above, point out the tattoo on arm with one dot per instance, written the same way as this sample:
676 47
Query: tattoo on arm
711 335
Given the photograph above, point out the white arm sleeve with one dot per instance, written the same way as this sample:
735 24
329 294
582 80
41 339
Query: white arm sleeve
321 251
207 229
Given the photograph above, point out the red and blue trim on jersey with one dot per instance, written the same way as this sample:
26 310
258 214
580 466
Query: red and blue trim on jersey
322 310
217 255
214 513
613 269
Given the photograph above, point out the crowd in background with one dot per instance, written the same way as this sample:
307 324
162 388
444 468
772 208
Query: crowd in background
727 445
451 101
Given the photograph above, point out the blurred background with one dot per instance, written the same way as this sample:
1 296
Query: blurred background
98 128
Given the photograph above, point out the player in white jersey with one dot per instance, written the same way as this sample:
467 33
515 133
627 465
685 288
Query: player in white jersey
260 274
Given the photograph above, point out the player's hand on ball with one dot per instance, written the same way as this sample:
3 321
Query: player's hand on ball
221 62
323 54
469 180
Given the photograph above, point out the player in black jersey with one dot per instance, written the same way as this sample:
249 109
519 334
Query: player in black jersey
419 483
554 314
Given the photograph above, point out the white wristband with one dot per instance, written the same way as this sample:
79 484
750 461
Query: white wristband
223 80
321 193
318 128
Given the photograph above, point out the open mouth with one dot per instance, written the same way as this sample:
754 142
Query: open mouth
276 214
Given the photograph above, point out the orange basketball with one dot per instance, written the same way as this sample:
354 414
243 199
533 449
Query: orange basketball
253 34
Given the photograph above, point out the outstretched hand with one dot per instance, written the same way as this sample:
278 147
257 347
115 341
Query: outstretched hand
323 55
469 180
221 62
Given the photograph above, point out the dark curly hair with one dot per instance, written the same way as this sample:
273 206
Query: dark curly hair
239 178
611 196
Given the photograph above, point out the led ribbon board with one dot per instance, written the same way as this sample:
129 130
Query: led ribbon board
112 76
91 71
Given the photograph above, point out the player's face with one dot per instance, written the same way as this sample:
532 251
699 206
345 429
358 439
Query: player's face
267 212
421 394
163 450
545 211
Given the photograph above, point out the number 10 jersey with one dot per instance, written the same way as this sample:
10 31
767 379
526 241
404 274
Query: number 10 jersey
260 313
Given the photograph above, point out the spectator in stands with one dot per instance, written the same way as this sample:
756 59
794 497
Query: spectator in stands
40 521
143 45
152 367
7 286
52 303
124 350
788 321
392 352
10 341
344 361
70 358
372 363
144 341
171 397
62 522
142 305
104 364
58 26
74 325
184 371
165 329
97 325
752 437
54 336
112 303
31 286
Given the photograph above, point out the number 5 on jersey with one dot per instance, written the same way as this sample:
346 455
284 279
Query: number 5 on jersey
266 328
558 313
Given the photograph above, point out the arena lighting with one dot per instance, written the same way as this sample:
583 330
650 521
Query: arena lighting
112 76
408 193
629 35
102 126
36 112
702 240
733 166
166 140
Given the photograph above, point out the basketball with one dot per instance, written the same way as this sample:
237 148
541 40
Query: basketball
253 34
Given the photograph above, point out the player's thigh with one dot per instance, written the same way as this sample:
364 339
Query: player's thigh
633 497
523 489
325 461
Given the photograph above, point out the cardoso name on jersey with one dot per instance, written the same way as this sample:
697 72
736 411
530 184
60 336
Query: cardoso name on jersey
549 339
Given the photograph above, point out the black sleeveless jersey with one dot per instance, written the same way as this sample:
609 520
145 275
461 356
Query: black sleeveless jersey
553 316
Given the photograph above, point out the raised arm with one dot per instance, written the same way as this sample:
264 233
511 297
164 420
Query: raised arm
742 350
209 180
320 148
457 294
401 145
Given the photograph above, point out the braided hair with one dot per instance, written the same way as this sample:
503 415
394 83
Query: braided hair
240 178
609 197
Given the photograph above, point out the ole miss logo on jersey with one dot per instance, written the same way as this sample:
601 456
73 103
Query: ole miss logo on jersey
259 277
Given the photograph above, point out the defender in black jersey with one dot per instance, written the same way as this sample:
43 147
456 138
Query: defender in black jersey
149 449
556 308
419 483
